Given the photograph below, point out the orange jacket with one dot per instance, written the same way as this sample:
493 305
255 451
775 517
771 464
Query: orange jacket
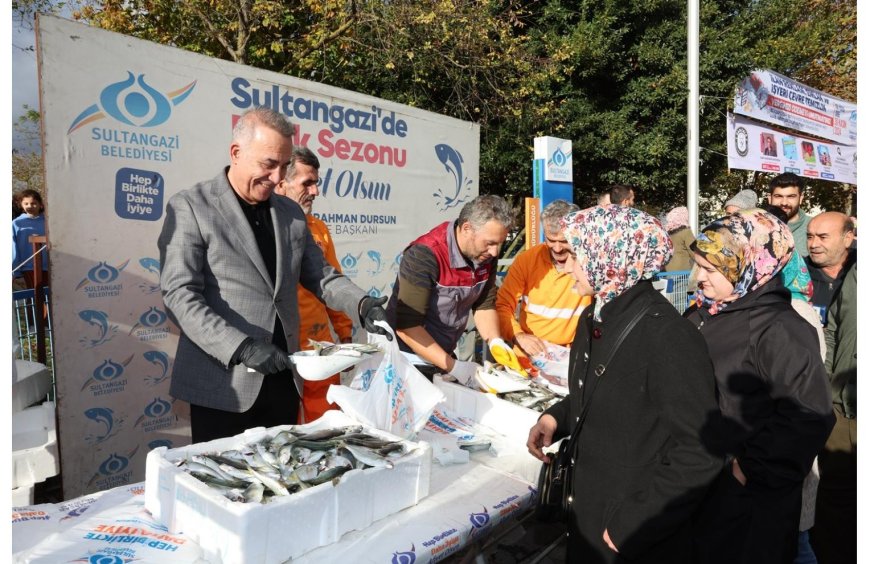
549 307
314 316
314 319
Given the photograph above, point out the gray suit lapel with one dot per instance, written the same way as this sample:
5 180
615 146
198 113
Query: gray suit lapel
282 246
229 208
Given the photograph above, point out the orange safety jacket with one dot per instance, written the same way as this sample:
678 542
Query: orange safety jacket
314 320
549 307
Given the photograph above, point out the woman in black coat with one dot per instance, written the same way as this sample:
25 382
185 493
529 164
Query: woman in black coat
642 466
773 390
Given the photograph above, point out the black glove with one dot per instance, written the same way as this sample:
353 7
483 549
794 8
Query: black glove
263 357
370 310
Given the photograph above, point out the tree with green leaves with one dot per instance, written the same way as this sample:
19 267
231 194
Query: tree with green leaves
609 75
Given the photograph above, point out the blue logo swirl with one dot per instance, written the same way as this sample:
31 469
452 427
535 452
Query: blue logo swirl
153 317
133 102
157 443
390 373
113 465
367 379
107 371
404 557
105 559
103 273
348 261
374 292
157 408
559 157
479 520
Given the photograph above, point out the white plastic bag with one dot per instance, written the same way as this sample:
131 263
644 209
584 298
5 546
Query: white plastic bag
552 367
388 392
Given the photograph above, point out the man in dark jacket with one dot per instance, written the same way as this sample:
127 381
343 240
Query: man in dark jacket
835 534
829 238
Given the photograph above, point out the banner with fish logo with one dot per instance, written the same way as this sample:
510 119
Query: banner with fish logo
147 121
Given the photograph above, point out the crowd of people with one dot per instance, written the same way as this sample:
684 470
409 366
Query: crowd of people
700 441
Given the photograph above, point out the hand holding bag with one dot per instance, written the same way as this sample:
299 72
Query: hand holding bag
555 481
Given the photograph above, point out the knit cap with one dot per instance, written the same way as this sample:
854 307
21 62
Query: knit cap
744 199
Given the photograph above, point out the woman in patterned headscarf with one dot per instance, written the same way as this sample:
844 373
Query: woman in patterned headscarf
641 468
773 391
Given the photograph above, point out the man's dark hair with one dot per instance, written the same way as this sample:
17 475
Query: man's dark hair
305 156
787 179
619 193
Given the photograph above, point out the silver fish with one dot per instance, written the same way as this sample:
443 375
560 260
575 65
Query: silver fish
254 492
368 456
271 483
281 439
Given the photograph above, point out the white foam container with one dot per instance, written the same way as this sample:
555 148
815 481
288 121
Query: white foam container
34 447
287 527
31 382
23 495
508 419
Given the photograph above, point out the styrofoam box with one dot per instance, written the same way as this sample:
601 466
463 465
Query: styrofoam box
31 382
23 495
287 527
509 419
34 445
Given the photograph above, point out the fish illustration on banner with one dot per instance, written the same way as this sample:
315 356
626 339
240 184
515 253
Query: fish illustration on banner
152 265
100 320
452 161
375 257
161 360
105 417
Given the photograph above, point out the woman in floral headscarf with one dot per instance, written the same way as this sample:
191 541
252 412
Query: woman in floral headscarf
641 467
773 391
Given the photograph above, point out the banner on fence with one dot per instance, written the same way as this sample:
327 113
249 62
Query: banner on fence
773 98
754 146
128 123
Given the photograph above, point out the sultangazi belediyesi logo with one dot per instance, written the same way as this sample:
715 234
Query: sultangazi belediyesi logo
133 102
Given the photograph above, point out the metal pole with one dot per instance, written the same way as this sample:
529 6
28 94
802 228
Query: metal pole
692 115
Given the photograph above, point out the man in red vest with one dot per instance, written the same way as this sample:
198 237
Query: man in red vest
444 276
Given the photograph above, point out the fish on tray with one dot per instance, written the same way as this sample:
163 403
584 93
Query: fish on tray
537 397
291 460
325 348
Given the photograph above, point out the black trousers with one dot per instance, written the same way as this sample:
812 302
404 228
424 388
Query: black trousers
276 404
739 524
834 537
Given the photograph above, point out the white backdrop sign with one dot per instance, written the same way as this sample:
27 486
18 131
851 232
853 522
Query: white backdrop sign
127 124
753 146
774 98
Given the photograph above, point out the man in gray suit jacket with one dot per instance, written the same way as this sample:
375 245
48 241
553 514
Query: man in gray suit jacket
231 256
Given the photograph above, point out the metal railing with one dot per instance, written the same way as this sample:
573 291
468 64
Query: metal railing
674 286
25 318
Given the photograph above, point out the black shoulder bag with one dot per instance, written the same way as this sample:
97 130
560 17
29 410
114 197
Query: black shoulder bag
555 481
